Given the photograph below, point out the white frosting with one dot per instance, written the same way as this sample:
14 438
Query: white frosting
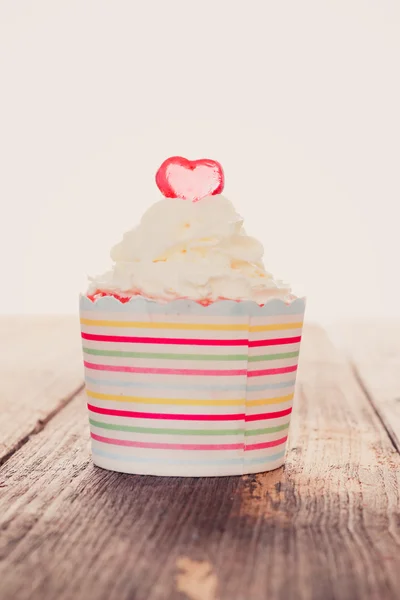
196 250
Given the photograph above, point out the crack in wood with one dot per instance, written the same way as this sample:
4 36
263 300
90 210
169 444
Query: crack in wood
41 424
390 433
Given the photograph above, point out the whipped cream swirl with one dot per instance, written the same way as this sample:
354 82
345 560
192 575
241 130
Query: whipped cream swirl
197 250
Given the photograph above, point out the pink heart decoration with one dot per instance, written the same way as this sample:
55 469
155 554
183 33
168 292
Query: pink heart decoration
190 179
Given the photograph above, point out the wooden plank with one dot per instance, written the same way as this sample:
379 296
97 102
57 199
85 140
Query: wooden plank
326 526
40 369
374 350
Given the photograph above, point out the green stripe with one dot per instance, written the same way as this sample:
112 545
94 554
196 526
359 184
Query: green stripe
167 355
171 356
186 431
273 356
266 430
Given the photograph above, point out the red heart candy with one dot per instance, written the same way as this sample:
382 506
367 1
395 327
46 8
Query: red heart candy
190 179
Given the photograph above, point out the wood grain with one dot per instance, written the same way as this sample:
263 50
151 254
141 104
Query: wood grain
374 351
40 369
327 526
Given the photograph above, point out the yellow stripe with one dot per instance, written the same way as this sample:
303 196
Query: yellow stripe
172 401
275 327
179 402
192 326
270 400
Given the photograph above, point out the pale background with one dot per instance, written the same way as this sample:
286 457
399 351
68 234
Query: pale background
299 100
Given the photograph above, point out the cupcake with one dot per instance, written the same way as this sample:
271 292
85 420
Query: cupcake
190 346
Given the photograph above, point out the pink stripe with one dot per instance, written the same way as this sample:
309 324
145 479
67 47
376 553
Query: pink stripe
171 417
275 342
154 371
151 340
271 415
205 372
266 444
189 417
161 446
272 371
190 342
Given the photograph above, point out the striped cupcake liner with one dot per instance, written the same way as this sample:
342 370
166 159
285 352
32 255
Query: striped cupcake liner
186 390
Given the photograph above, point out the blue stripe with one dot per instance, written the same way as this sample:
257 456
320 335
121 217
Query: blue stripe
166 461
137 305
199 387
271 386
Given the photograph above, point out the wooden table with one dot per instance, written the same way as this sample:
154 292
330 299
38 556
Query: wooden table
326 526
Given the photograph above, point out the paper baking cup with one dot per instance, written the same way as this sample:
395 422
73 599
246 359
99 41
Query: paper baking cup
183 389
